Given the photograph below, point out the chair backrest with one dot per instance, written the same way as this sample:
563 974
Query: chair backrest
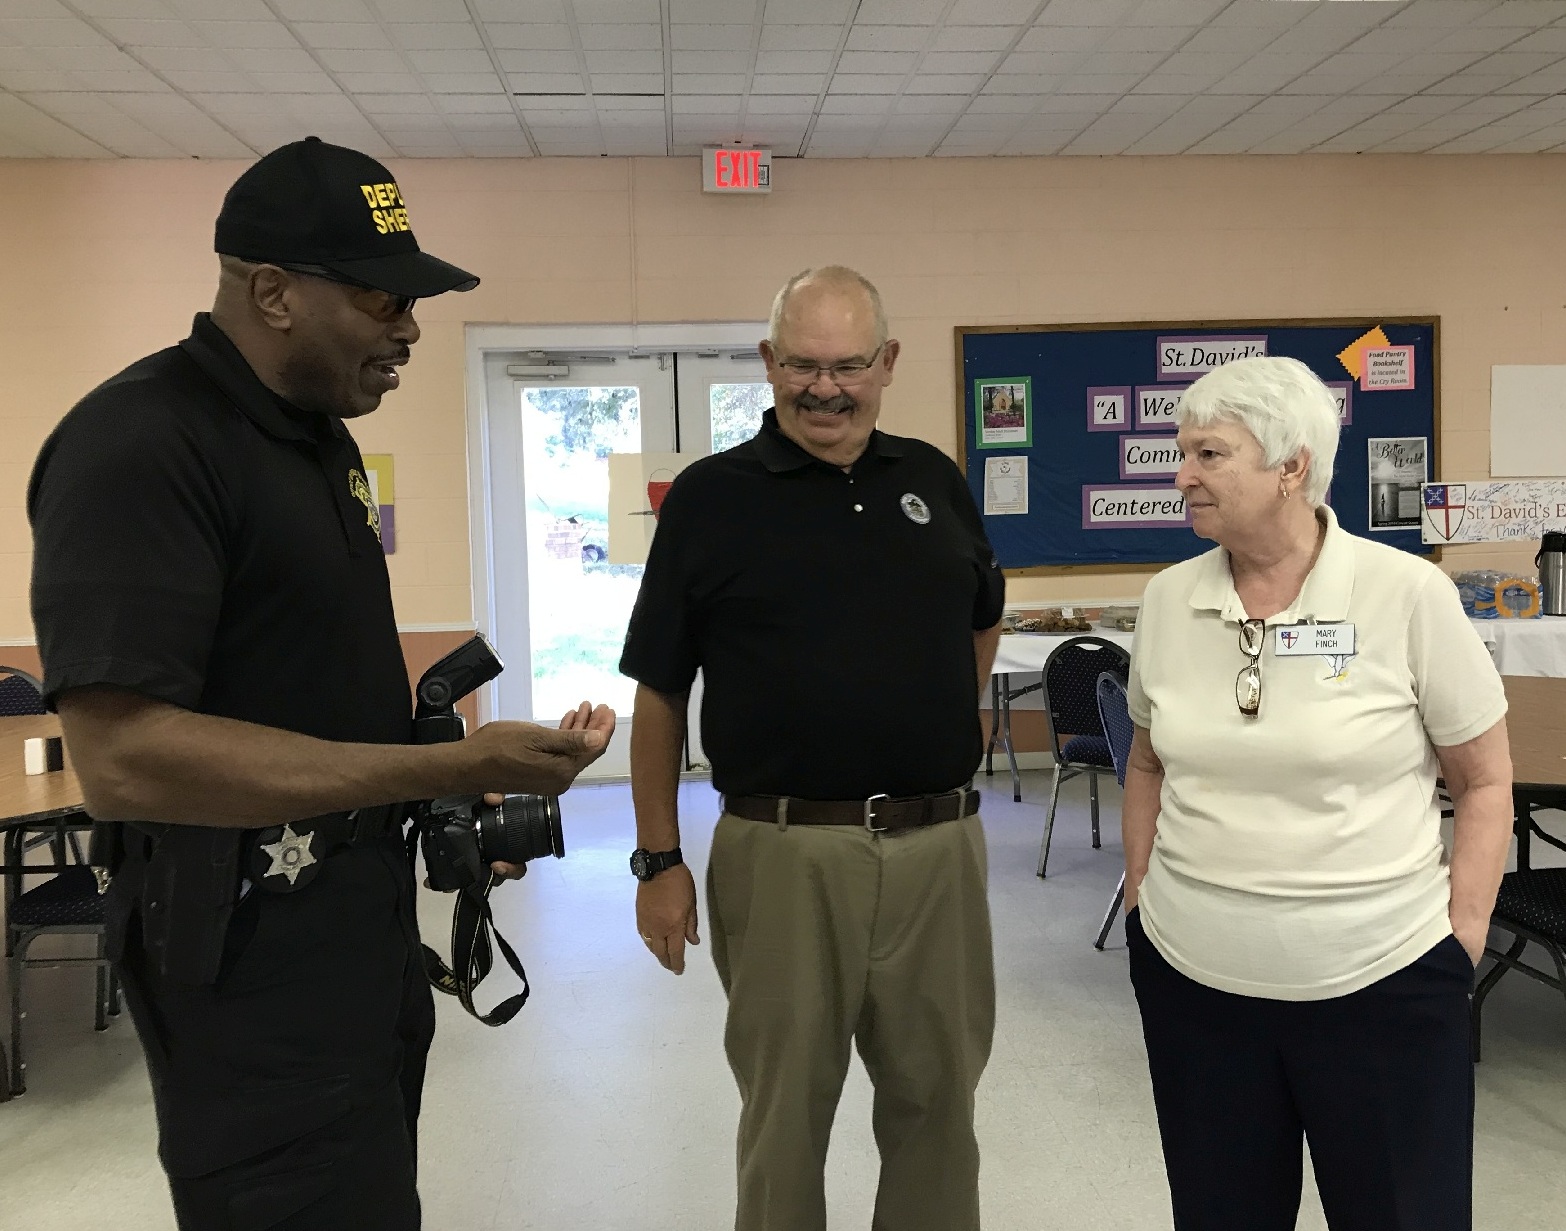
1118 727
1070 675
21 696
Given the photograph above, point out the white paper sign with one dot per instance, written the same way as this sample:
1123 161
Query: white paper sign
1155 405
638 483
1141 456
1492 511
1005 486
1388 367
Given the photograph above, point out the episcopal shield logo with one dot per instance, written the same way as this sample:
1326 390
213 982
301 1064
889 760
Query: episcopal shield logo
1446 504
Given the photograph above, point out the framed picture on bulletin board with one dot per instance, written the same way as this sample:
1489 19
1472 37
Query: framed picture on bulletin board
1004 418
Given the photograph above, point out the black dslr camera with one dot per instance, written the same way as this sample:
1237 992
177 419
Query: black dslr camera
462 835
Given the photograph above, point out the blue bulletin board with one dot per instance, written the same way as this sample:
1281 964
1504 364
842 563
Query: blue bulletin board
1067 431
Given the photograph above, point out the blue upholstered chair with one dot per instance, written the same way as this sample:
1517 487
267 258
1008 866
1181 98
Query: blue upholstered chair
1070 675
1119 729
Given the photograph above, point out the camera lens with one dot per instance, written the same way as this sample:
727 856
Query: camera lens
522 828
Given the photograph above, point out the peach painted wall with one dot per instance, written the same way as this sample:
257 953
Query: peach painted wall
104 261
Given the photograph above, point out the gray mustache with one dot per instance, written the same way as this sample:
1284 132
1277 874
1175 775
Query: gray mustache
837 402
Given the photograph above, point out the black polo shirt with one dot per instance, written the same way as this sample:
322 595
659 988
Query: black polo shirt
831 614
198 540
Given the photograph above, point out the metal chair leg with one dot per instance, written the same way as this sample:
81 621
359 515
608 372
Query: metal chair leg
989 748
100 1008
15 1079
1109 917
1487 984
1049 818
1011 754
1093 804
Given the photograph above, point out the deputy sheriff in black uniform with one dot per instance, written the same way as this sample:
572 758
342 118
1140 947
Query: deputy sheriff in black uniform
215 621
834 586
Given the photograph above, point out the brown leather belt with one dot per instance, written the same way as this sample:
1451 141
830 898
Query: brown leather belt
878 814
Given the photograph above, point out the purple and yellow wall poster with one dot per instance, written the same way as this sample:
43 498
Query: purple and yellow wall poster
380 472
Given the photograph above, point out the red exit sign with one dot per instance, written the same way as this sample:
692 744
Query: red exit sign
736 170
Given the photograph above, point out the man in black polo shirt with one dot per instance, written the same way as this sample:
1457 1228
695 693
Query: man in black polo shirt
215 620
834 586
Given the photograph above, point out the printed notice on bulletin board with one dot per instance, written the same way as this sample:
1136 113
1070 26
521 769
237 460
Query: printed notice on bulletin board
1069 432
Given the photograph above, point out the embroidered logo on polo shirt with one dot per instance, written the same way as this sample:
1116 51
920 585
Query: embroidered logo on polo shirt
915 509
359 489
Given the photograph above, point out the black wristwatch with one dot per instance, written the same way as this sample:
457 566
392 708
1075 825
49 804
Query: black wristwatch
647 864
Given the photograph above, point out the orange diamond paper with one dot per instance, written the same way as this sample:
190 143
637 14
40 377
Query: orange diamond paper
1353 358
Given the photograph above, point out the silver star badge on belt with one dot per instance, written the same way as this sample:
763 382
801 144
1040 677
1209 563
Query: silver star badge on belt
290 854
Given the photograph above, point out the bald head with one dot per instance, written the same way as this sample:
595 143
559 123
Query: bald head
847 291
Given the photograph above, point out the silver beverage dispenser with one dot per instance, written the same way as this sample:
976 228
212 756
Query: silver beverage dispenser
1552 573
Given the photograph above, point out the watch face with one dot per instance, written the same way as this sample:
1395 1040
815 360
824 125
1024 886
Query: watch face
639 864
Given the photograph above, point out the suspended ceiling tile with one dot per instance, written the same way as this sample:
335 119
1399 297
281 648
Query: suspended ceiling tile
793 61
712 61
466 83
616 12
344 60
797 38
708 83
426 36
444 12
323 10
343 36
945 83
509 36
865 83
788 83
245 34
139 33
877 62
538 61
450 61
381 83
521 10
627 83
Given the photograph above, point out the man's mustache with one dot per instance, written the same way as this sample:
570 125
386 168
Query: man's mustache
831 405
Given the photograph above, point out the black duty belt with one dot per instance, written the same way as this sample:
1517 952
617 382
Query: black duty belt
878 814
286 858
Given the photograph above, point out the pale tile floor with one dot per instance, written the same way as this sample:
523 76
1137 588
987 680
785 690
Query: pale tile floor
607 1104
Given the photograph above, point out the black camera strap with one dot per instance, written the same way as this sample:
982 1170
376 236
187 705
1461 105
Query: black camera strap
472 956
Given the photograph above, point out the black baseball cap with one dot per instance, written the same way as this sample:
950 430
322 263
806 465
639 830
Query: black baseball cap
311 203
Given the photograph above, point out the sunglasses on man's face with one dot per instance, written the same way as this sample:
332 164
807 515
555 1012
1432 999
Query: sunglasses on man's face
1248 684
382 306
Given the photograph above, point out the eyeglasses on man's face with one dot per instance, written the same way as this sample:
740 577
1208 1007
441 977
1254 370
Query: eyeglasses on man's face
382 306
1248 684
805 372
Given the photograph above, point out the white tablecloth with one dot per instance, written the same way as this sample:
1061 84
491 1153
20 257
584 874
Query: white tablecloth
1027 651
1524 647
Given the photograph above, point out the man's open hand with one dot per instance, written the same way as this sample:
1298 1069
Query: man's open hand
584 734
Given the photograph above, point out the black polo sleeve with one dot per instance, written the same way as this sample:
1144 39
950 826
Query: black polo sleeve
990 582
660 648
128 516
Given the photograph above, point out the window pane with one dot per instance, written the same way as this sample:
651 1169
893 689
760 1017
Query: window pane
737 411
579 604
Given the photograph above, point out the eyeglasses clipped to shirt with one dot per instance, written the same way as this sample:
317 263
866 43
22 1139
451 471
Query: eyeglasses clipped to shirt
1248 684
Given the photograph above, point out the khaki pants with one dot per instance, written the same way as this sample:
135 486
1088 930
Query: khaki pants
826 935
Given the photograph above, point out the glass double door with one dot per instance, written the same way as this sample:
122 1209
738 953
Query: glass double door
561 601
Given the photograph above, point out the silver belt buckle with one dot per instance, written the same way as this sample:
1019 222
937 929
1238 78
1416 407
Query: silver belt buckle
870 814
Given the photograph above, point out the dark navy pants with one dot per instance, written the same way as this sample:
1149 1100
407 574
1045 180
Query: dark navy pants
288 1093
1378 1082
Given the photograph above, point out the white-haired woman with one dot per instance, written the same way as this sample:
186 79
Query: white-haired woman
1301 945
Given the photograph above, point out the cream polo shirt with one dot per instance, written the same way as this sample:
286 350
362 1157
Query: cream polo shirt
1298 854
